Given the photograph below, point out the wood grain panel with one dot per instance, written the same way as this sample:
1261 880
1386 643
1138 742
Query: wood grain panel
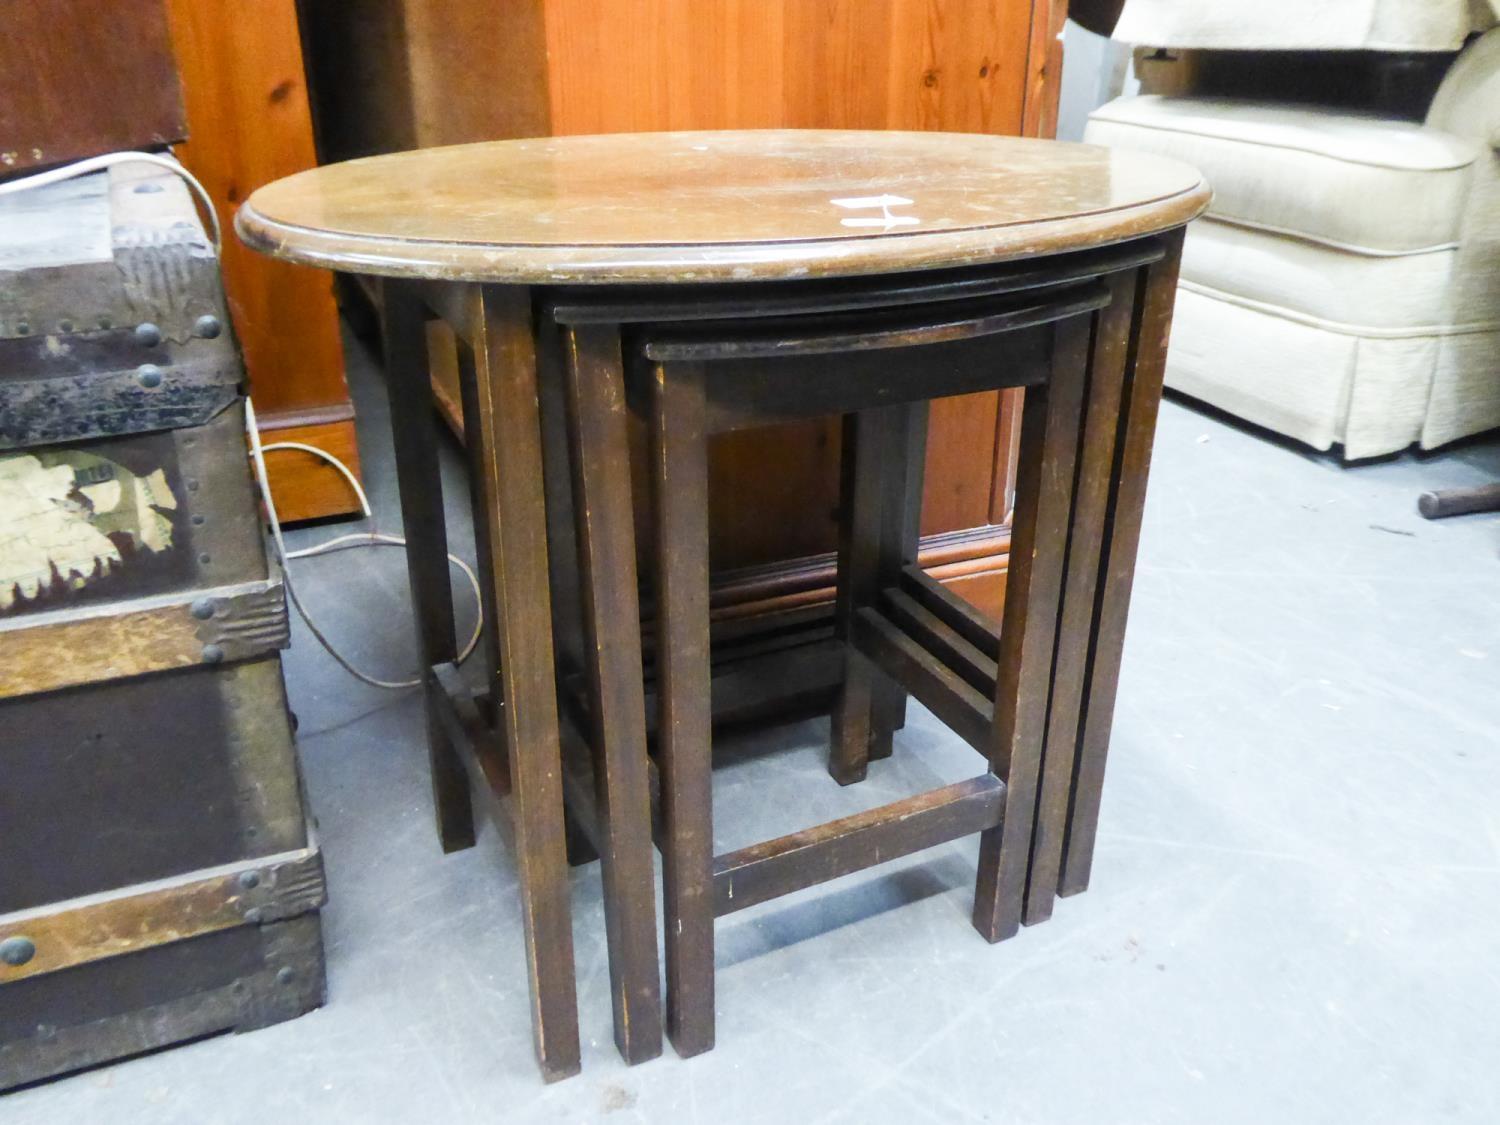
744 39
249 121
359 77
839 59
77 84
773 494
961 462
477 70
130 919
307 487
954 65
1044 62
132 638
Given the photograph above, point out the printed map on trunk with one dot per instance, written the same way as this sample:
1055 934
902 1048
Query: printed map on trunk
70 518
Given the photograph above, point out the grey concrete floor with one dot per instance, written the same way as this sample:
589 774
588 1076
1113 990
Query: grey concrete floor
1295 911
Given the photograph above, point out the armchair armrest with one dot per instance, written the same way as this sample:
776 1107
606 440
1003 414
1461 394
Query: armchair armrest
1468 101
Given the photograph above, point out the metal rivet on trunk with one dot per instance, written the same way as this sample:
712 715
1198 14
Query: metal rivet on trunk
207 327
212 654
17 950
148 375
147 334
203 608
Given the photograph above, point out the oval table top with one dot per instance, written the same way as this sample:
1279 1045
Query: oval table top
715 206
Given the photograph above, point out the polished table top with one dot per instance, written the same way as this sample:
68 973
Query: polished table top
725 206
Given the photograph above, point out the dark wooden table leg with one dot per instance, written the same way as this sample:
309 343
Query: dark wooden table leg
511 464
1145 366
866 446
679 476
1039 535
580 847
562 553
604 517
900 538
480 512
880 508
414 428
1111 337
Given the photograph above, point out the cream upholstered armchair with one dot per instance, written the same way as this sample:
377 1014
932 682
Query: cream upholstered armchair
1344 287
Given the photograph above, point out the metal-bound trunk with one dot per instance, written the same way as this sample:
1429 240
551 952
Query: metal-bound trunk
158 879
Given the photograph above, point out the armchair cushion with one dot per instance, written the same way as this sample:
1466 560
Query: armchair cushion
1389 295
1355 182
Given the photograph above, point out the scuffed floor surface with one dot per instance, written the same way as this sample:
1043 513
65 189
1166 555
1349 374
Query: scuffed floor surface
1295 912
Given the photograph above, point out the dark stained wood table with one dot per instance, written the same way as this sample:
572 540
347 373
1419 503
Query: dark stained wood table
721 280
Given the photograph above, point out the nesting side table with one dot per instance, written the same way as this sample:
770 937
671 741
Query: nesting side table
562 263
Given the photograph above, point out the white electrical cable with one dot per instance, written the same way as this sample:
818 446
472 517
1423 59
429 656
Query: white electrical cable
95 163
340 543
372 538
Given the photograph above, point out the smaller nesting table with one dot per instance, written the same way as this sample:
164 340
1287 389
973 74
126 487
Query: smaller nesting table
721 281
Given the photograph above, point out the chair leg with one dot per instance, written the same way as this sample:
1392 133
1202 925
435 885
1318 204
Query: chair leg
679 476
511 465
603 513
414 428
1039 538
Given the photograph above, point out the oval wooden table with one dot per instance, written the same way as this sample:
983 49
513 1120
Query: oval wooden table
560 264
